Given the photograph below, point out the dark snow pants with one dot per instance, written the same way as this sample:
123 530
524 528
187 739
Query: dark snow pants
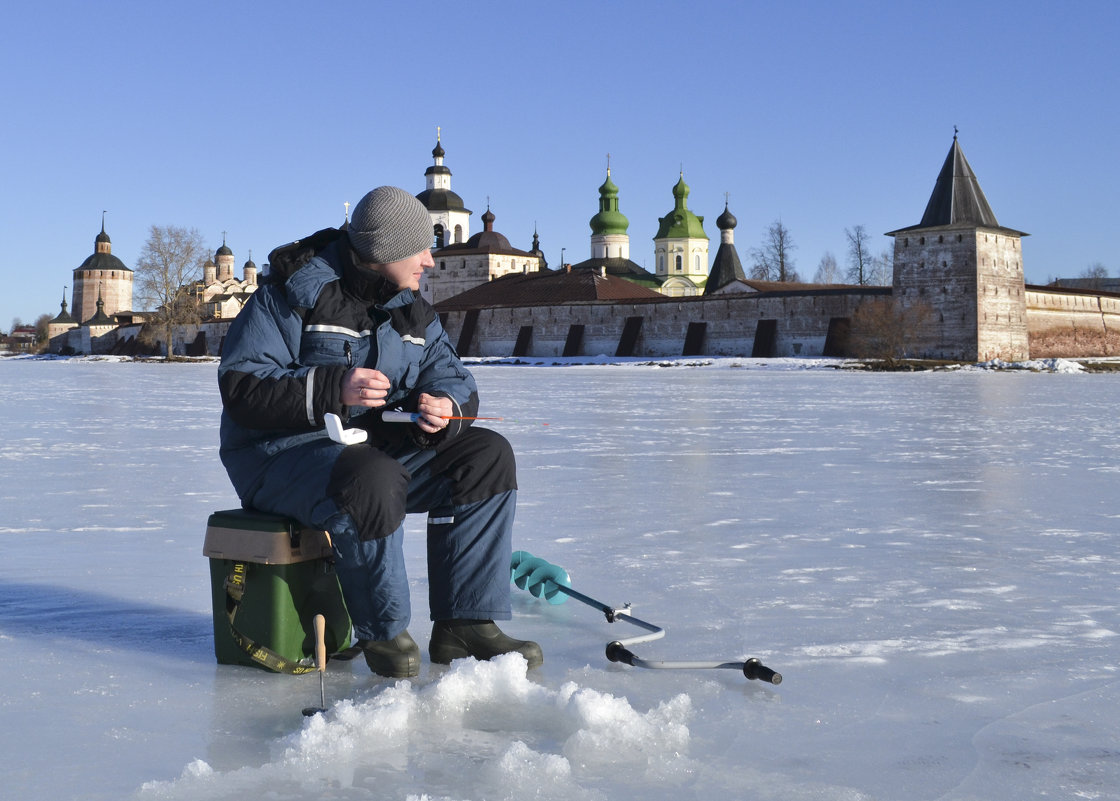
360 494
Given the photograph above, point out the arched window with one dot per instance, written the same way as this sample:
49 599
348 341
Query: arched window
438 231
678 260
458 233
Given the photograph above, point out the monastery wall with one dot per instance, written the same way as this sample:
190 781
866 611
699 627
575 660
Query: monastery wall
779 323
1060 323
1072 324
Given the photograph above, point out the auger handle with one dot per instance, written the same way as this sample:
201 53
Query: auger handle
616 652
754 669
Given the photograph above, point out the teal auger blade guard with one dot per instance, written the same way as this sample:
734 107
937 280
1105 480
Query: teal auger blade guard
543 579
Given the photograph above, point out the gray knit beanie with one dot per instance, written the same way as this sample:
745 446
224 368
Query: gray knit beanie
389 224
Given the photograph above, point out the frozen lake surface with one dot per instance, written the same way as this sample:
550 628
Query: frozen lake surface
931 560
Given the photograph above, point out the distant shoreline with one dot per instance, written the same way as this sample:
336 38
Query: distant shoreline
1085 365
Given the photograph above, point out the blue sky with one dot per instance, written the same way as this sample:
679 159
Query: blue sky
261 120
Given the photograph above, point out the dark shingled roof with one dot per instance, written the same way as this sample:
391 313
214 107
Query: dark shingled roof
620 268
725 269
548 288
441 200
957 198
63 317
487 241
100 317
103 261
799 288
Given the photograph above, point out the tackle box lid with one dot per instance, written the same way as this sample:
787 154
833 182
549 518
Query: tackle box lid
246 535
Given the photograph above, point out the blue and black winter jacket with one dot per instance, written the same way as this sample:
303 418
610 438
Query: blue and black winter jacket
286 353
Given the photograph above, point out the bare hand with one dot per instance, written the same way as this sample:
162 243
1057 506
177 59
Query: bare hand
434 411
362 386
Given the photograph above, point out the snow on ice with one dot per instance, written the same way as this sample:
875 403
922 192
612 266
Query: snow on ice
931 560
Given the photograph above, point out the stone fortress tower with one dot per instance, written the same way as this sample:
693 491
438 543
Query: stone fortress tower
964 271
102 277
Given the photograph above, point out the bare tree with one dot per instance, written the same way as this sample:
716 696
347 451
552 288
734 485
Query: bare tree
42 328
828 271
882 268
171 259
1095 273
883 329
859 255
774 260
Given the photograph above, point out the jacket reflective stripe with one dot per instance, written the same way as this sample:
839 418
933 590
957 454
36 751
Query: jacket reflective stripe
350 332
309 395
338 329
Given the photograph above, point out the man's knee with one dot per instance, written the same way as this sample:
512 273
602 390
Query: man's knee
372 488
480 463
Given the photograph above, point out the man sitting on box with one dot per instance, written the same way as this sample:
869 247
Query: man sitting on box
339 327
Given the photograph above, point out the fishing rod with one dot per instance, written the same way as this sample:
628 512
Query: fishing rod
412 417
551 582
355 436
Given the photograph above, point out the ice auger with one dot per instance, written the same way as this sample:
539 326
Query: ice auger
551 583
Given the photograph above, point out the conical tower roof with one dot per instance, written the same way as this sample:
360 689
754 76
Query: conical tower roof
102 237
957 198
100 317
63 317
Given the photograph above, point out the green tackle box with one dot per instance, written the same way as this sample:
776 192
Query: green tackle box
269 577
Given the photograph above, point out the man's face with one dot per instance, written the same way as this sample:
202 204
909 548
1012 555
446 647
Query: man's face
405 274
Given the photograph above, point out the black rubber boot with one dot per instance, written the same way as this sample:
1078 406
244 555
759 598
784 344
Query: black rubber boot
482 639
398 658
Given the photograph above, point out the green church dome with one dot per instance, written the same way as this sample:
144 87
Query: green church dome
681 223
609 220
